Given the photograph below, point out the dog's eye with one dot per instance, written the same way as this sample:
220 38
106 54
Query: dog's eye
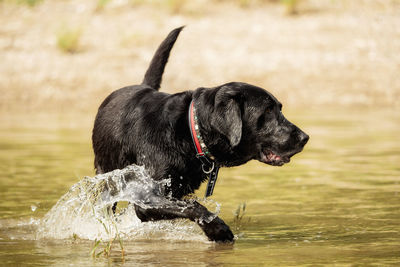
269 109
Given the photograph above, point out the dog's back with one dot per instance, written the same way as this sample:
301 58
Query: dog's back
109 134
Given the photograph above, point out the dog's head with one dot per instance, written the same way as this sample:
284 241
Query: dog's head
241 122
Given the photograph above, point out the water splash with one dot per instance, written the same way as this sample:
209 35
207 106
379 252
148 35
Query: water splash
85 210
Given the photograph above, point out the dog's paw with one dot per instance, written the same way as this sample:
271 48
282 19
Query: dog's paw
218 231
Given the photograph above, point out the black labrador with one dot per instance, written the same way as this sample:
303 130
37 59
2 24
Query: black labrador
186 135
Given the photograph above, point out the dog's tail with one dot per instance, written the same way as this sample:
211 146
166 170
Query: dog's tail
155 71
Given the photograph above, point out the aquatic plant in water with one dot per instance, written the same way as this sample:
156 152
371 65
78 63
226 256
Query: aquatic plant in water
238 222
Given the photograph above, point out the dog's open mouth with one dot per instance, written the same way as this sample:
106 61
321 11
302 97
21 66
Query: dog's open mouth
271 158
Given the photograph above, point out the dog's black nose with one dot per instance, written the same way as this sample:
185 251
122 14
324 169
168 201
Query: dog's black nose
303 138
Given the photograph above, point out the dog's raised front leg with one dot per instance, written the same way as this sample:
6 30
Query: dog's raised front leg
215 230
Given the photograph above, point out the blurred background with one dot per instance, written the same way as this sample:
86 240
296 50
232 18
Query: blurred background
66 56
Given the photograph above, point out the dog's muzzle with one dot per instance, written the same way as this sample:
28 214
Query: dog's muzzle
273 158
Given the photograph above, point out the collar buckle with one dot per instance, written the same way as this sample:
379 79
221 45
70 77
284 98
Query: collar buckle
209 170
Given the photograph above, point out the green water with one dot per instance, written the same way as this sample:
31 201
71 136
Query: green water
337 203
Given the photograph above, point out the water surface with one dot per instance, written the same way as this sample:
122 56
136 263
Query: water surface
338 202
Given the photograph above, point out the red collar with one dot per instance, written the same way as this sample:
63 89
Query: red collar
198 142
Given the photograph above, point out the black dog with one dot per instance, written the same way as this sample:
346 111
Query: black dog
231 124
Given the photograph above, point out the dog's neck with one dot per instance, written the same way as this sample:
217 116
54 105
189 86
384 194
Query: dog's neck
209 167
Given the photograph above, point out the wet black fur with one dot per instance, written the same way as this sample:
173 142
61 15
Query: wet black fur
140 125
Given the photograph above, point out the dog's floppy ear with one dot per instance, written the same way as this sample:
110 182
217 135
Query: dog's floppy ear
227 117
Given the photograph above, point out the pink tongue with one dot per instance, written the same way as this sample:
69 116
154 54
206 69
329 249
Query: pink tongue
272 156
276 157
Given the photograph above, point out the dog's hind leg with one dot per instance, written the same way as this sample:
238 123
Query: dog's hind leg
214 228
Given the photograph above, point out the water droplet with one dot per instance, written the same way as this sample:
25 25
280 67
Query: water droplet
85 210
